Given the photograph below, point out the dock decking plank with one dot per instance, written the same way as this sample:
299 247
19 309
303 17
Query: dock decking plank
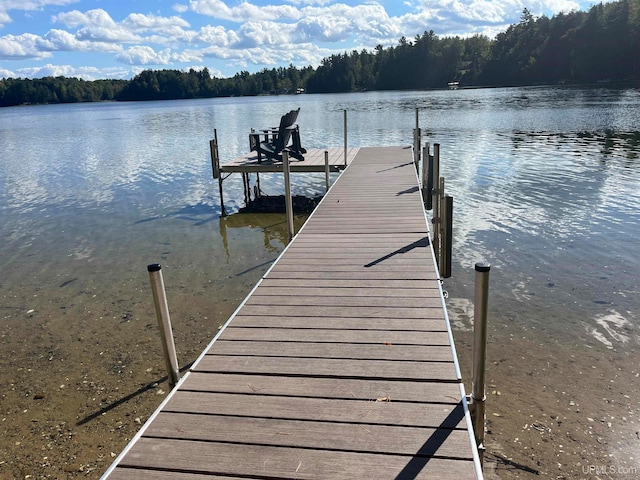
329 367
269 462
308 434
374 337
331 311
345 351
347 411
354 301
364 292
338 365
318 387
340 323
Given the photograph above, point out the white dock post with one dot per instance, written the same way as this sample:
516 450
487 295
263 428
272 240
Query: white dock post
164 322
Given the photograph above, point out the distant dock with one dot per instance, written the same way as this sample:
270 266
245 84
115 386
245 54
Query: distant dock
314 161
340 363
329 160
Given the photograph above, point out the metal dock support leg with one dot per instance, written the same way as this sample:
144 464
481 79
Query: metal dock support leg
288 201
428 198
447 236
435 200
424 189
215 164
345 138
164 323
478 397
327 176
417 141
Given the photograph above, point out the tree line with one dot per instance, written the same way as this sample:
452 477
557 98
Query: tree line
599 45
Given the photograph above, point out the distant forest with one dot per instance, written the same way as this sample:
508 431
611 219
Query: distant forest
601 45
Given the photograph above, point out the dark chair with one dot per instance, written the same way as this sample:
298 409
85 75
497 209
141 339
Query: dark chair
276 139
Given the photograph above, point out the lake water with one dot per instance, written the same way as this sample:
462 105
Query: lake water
546 184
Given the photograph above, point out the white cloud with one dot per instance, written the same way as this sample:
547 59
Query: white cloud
96 18
100 34
144 55
187 56
27 45
368 23
33 4
97 26
253 34
180 8
448 17
26 5
51 70
143 23
323 28
244 12
309 2
4 73
217 36
61 40
4 19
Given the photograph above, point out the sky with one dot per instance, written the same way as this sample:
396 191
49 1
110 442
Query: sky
117 39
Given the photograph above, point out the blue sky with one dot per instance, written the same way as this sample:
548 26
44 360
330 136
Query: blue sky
94 39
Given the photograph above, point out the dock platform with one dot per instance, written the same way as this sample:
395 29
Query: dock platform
339 364
314 161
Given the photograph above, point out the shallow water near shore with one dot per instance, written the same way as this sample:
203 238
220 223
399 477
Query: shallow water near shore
546 185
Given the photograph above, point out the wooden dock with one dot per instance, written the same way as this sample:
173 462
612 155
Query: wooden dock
338 365
314 161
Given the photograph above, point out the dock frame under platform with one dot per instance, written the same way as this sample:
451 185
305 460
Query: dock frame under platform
329 160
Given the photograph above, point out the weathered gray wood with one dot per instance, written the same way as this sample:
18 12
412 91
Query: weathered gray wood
329 367
352 389
294 289
319 409
363 274
140 474
313 162
357 266
308 434
379 337
388 351
341 323
349 302
331 311
373 284
278 462
390 241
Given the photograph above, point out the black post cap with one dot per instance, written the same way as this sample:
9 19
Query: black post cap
154 267
483 267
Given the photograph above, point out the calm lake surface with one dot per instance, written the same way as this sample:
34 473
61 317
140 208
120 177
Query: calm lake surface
546 184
